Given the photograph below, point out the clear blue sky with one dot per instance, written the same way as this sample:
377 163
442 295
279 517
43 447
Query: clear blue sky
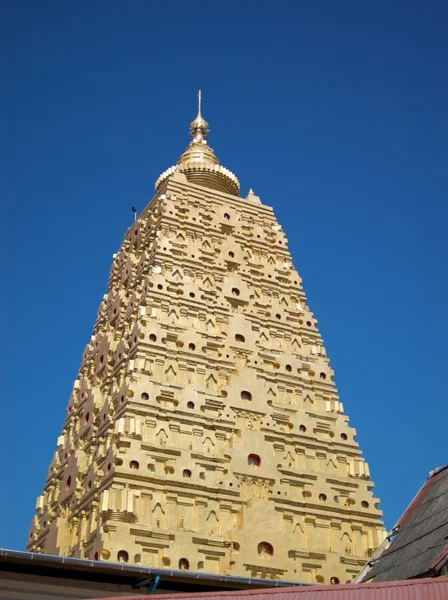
334 112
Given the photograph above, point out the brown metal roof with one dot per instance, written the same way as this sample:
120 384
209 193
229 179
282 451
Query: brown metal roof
121 573
415 589
420 548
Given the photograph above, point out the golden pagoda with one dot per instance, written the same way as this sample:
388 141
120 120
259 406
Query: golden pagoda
204 430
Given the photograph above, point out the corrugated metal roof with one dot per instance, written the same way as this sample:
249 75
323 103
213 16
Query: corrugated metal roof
420 547
415 589
97 569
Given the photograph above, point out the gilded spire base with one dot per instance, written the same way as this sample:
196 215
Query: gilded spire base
199 164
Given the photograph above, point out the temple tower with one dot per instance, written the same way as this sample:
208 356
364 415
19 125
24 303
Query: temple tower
204 430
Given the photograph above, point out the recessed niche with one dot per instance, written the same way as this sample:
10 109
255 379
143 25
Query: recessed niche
186 473
235 291
192 347
190 404
344 436
169 470
145 396
96 556
134 465
86 418
322 497
288 368
109 467
334 580
302 428
265 550
184 564
152 337
101 359
245 395
123 556
227 216
253 460
232 254
89 485
240 338
308 323
68 483
365 504
166 562
323 376
159 286
192 294
278 316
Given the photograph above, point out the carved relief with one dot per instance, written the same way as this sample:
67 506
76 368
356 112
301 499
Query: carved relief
204 408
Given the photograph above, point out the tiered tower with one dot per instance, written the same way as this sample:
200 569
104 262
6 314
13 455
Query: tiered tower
204 430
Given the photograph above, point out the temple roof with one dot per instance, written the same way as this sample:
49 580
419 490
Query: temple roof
420 545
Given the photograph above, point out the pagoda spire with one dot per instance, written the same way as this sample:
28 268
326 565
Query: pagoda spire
199 163
204 429
199 128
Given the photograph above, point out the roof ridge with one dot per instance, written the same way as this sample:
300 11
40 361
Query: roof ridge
436 471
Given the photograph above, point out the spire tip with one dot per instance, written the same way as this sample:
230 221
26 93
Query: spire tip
199 128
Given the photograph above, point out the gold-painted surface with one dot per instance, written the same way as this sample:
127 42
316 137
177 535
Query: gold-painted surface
204 430
199 164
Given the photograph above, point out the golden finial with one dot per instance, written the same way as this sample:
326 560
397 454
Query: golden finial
199 164
199 128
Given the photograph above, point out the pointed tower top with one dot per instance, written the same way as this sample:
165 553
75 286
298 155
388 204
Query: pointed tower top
253 196
199 128
199 164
